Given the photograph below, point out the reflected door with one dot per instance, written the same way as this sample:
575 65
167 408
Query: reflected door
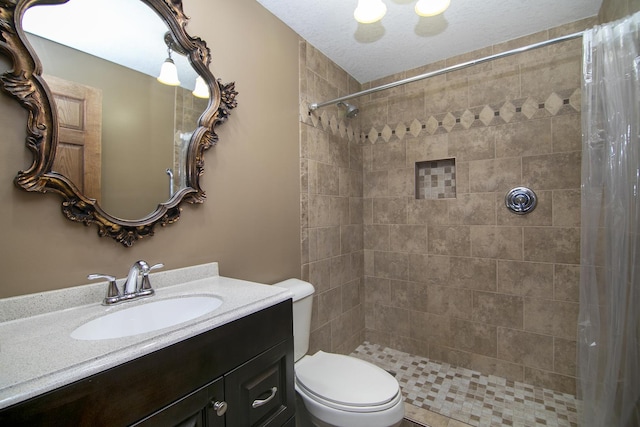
79 150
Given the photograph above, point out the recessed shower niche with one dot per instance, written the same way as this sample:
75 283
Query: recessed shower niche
436 179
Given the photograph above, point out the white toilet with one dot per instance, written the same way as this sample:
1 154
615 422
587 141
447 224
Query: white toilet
339 390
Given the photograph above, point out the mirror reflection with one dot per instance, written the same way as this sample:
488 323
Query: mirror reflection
123 135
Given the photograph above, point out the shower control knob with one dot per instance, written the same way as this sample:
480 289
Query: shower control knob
219 407
520 200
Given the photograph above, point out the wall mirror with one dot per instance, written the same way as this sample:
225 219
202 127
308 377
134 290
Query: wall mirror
122 144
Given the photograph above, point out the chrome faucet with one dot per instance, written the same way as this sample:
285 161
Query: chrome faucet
136 285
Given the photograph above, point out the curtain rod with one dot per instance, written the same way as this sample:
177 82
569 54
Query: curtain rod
316 105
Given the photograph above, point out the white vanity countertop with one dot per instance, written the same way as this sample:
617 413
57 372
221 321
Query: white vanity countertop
37 353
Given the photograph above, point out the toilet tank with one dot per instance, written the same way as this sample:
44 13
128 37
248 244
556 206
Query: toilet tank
302 305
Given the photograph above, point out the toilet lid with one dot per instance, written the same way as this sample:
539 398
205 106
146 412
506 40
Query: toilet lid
346 380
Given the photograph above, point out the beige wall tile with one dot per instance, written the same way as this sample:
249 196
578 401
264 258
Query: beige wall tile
341 270
566 284
566 133
320 275
475 337
497 85
498 309
327 242
473 273
430 147
402 182
494 175
525 348
429 212
390 211
566 212
561 383
430 269
320 339
356 210
442 98
391 319
376 237
431 328
389 155
493 366
517 43
449 241
448 301
462 177
525 278
565 357
541 79
552 171
351 297
473 144
406 107
400 294
351 238
472 209
445 353
391 265
550 317
523 139
408 238
329 305
496 242
377 290
552 244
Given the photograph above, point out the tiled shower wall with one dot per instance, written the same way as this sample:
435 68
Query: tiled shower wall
461 280
331 207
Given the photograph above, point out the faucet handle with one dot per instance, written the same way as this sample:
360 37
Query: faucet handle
156 266
145 288
113 294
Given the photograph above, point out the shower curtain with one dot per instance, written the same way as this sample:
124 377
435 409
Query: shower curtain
609 317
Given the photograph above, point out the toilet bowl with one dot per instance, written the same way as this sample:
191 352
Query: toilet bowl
339 390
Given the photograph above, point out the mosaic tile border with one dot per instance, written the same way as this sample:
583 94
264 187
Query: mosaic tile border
511 111
469 396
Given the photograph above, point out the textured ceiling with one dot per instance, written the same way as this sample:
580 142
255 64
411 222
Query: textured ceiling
403 40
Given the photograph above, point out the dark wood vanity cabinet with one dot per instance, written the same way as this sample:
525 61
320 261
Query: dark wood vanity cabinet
245 366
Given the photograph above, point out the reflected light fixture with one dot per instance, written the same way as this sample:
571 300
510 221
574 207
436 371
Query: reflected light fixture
169 72
431 7
369 11
201 90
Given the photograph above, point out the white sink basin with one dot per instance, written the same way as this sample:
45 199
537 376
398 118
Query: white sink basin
147 317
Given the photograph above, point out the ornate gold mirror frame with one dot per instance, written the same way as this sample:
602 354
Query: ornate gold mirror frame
25 83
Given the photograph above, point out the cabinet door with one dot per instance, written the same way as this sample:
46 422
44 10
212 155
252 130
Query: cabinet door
260 392
194 410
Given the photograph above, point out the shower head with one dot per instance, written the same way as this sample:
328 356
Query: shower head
352 110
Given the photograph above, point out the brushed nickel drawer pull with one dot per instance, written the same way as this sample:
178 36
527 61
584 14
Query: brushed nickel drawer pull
258 403
219 407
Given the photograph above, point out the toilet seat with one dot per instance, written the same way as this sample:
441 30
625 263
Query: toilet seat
346 383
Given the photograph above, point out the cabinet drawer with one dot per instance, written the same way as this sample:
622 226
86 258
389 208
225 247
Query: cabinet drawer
261 392
193 410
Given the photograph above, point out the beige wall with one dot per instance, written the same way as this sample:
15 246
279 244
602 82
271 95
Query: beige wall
250 221
461 280
617 9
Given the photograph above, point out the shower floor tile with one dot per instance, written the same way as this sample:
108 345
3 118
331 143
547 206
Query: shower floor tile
469 396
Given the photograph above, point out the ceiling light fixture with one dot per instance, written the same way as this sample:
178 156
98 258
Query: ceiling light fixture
201 90
169 71
431 7
369 11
